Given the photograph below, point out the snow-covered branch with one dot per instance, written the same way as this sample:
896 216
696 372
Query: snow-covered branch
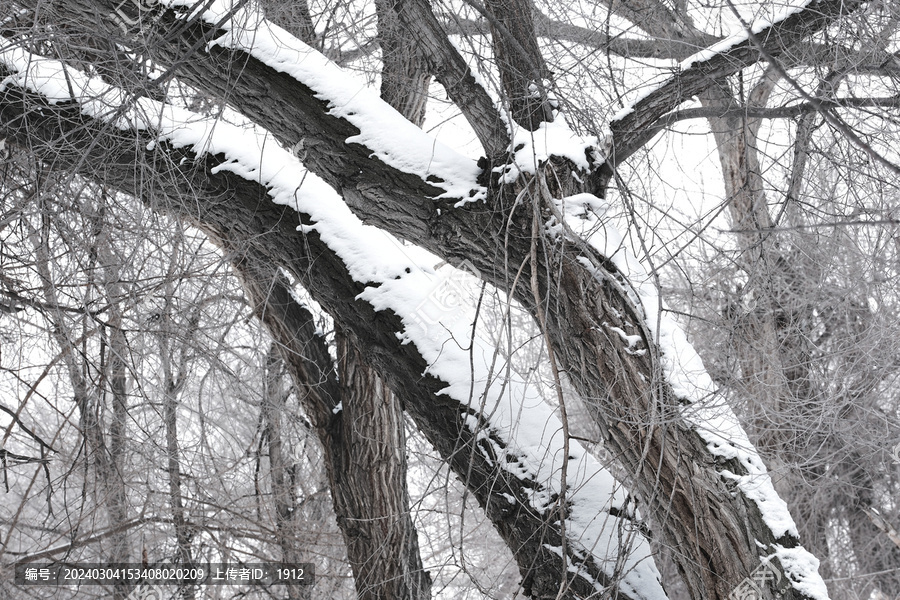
497 433
690 464
633 126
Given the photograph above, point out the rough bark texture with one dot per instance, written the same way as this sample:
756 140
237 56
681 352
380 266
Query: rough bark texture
372 463
404 73
344 402
695 506
523 72
442 420
451 71
636 128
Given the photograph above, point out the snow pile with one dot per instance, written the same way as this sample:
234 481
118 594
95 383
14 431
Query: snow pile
550 139
53 80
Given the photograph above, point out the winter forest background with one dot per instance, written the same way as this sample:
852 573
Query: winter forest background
461 299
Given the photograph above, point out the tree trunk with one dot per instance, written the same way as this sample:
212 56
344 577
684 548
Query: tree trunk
372 464
174 337
360 425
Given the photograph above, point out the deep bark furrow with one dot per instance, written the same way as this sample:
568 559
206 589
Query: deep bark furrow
523 72
404 73
373 465
450 69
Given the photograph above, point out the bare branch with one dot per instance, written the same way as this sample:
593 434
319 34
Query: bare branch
791 111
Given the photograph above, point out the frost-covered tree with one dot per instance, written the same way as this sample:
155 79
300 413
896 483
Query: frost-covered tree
305 172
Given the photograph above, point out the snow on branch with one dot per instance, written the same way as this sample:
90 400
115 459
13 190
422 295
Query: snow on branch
397 276
383 130
507 414
580 218
633 125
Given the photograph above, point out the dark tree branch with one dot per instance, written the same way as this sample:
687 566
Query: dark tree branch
451 70
791 111
404 73
360 426
15 417
719 530
658 46
523 73
629 131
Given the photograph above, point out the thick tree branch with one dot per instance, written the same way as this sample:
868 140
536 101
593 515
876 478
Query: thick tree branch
658 434
523 73
404 72
724 59
371 505
240 214
658 46
451 70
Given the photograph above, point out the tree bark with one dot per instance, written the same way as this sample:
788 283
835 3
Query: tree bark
372 506
523 73
404 74
372 464
451 71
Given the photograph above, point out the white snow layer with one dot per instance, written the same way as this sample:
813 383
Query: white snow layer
742 35
401 279
682 367
383 130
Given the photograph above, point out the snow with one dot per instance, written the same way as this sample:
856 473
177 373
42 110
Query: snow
399 278
549 139
53 80
630 340
383 130
742 35
392 138
802 568
518 415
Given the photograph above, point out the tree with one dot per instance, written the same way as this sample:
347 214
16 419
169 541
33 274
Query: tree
528 217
